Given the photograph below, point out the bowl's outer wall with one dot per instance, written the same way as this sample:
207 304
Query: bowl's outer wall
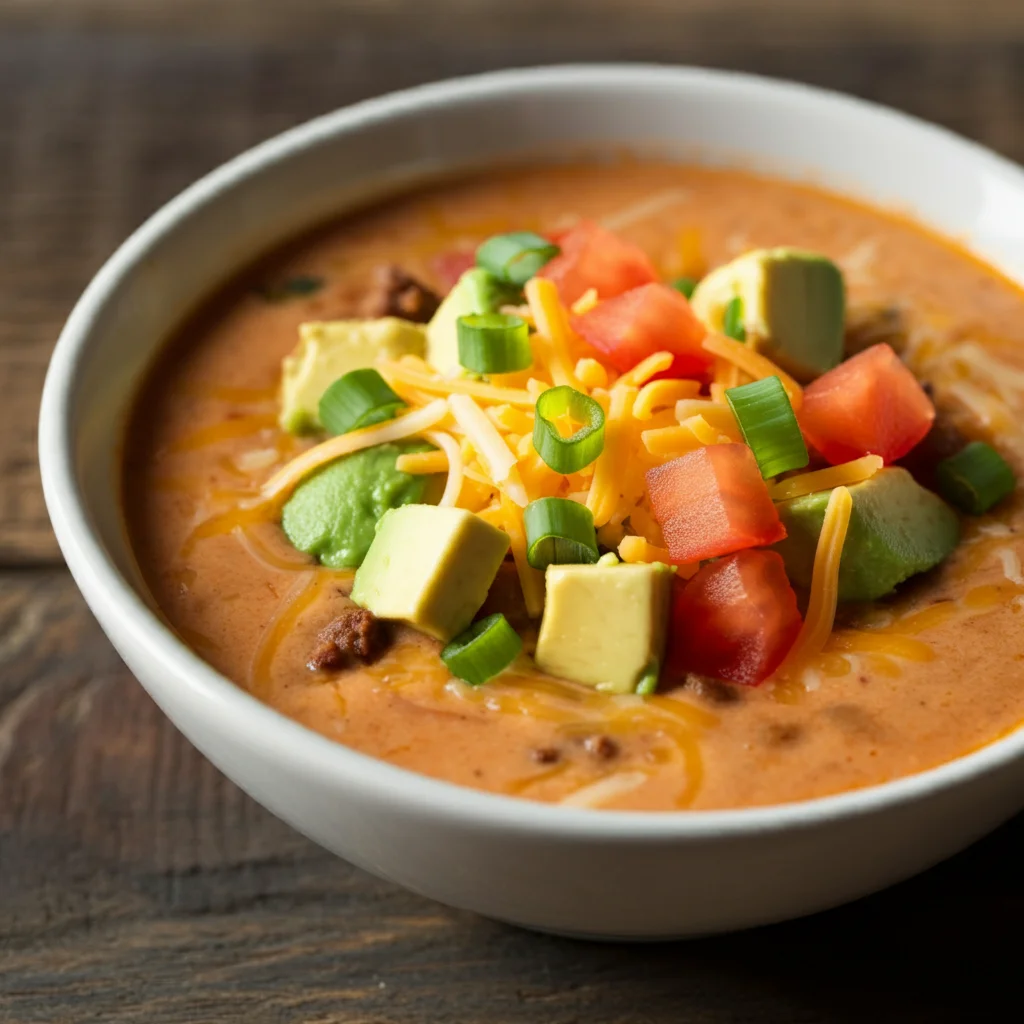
627 884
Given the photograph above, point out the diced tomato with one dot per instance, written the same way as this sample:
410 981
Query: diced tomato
869 405
638 323
735 620
450 266
712 502
592 257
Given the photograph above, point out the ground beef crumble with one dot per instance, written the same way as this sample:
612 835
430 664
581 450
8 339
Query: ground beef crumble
395 293
604 748
357 635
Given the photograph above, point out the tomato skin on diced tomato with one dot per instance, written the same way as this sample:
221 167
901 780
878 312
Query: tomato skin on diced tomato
712 502
869 405
735 620
652 318
450 266
593 257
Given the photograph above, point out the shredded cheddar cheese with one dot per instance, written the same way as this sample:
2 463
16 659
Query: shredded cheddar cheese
586 302
751 363
660 394
646 369
591 373
845 475
553 324
669 441
604 491
637 549
824 595
530 579
399 374
423 463
703 431
412 423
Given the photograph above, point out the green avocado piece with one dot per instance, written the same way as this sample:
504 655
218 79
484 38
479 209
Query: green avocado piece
604 625
328 350
897 529
477 291
430 567
794 306
333 513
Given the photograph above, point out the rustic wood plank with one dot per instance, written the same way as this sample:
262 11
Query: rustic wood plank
956 20
136 883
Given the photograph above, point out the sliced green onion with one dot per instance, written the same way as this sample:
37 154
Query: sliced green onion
975 478
516 257
568 454
494 343
732 320
686 285
559 532
763 411
359 399
488 647
649 680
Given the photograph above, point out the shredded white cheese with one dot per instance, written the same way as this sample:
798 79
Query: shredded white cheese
609 788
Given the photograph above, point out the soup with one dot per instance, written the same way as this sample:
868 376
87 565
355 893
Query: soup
744 699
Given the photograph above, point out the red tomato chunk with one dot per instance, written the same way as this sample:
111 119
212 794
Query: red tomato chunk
638 323
869 405
592 257
711 502
735 620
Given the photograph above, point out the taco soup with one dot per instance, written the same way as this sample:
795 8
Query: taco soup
627 485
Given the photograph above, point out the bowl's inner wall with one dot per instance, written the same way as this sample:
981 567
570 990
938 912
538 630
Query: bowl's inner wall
345 161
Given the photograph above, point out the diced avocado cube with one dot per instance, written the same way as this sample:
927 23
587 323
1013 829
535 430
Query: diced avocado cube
604 625
328 350
430 567
333 513
794 306
897 529
477 291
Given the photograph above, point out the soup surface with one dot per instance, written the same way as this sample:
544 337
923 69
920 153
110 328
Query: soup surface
903 685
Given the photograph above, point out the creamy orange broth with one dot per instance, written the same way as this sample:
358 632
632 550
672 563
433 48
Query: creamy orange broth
903 686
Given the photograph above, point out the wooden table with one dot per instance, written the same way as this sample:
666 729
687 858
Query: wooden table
136 883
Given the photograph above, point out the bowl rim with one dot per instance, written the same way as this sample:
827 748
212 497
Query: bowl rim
284 740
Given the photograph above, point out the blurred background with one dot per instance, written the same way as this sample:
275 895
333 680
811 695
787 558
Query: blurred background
135 882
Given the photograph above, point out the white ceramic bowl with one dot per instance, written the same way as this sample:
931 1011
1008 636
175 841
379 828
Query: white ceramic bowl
590 873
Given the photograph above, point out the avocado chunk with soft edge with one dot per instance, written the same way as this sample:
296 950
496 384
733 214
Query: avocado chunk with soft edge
794 306
897 529
477 291
328 350
333 513
430 567
604 625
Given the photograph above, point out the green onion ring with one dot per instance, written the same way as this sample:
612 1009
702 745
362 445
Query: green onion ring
975 479
359 399
515 258
568 454
766 418
494 343
732 320
559 532
488 647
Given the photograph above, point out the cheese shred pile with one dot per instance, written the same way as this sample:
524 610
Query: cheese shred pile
483 433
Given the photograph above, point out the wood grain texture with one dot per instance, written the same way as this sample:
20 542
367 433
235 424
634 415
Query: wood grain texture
136 883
